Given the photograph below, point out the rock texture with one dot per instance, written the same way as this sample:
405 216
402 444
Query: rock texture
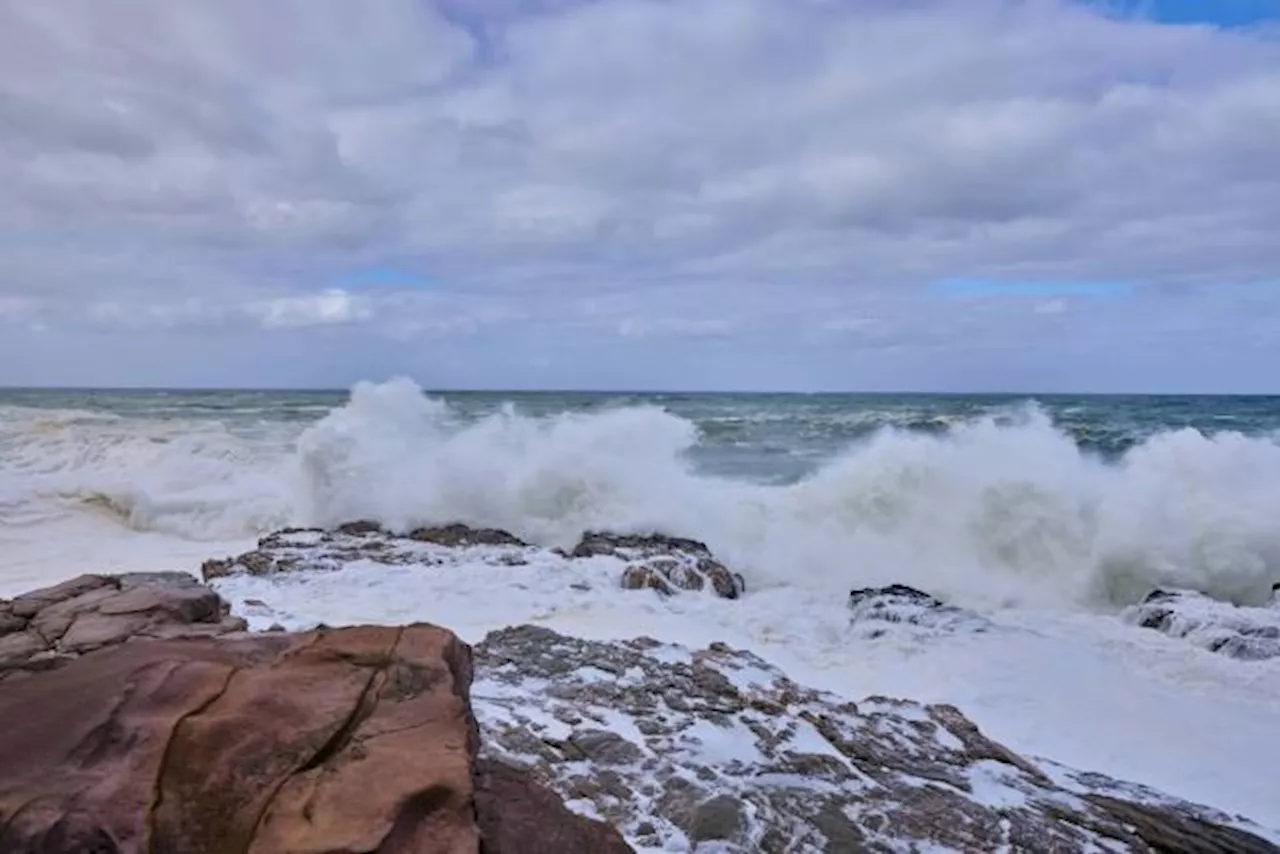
715 750
43 629
657 562
353 740
1251 634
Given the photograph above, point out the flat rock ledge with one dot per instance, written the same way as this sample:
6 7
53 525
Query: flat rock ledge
1249 634
665 564
44 628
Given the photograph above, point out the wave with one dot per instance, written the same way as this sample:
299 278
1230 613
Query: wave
1000 509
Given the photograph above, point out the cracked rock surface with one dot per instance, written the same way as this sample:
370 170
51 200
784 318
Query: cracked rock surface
715 750
351 740
44 628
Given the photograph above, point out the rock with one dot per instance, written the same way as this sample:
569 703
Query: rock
517 814
313 550
103 610
900 609
1250 634
353 740
462 535
595 543
662 563
723 749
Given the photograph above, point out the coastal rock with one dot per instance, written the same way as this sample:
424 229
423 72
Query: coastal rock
650 561
878 611
1250 634
662 563
352 740
45 628
316 550
681 748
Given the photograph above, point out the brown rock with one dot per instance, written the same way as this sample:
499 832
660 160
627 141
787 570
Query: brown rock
642 576
357 740
517 815
104 610
30 604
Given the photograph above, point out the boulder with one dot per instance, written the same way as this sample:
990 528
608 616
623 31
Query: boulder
352 740
50 626
1250 634
662 563
681 748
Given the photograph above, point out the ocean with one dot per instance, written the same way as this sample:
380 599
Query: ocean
1046 514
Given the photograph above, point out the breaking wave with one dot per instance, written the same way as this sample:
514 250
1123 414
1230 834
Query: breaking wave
994 510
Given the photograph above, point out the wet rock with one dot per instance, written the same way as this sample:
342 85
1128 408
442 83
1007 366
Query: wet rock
903 610
462 535
313 550
1250 634
662 563
730 752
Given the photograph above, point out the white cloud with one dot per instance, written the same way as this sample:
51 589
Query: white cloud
757 172
328 307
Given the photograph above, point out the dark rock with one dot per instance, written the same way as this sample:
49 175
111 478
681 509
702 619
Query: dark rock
359 528
732 752
458 535
595 543
1249 634
517 815
900 609
720 817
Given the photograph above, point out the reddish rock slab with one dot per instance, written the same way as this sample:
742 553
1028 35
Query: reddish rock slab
358 740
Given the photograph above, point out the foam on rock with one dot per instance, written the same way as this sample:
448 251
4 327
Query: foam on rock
657 562
717 750
1250 634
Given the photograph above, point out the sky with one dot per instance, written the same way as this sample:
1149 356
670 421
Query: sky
974 195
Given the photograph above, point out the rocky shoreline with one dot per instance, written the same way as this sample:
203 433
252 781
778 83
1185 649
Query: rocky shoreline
139 714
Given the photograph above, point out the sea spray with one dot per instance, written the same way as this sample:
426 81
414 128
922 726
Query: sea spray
999 508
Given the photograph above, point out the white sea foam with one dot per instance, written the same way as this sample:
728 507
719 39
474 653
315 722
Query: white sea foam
996 511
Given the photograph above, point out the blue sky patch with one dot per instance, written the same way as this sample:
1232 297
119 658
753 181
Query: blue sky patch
382 276
1221 13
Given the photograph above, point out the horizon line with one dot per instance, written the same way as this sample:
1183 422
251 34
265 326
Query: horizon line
639 391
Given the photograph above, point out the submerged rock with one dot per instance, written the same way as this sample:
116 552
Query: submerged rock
354 740
878 611
1251 634
45 628
678 747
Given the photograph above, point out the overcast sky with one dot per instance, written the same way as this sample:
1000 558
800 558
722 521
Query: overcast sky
724 194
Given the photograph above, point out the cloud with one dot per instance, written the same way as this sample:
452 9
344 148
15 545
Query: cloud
571 177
